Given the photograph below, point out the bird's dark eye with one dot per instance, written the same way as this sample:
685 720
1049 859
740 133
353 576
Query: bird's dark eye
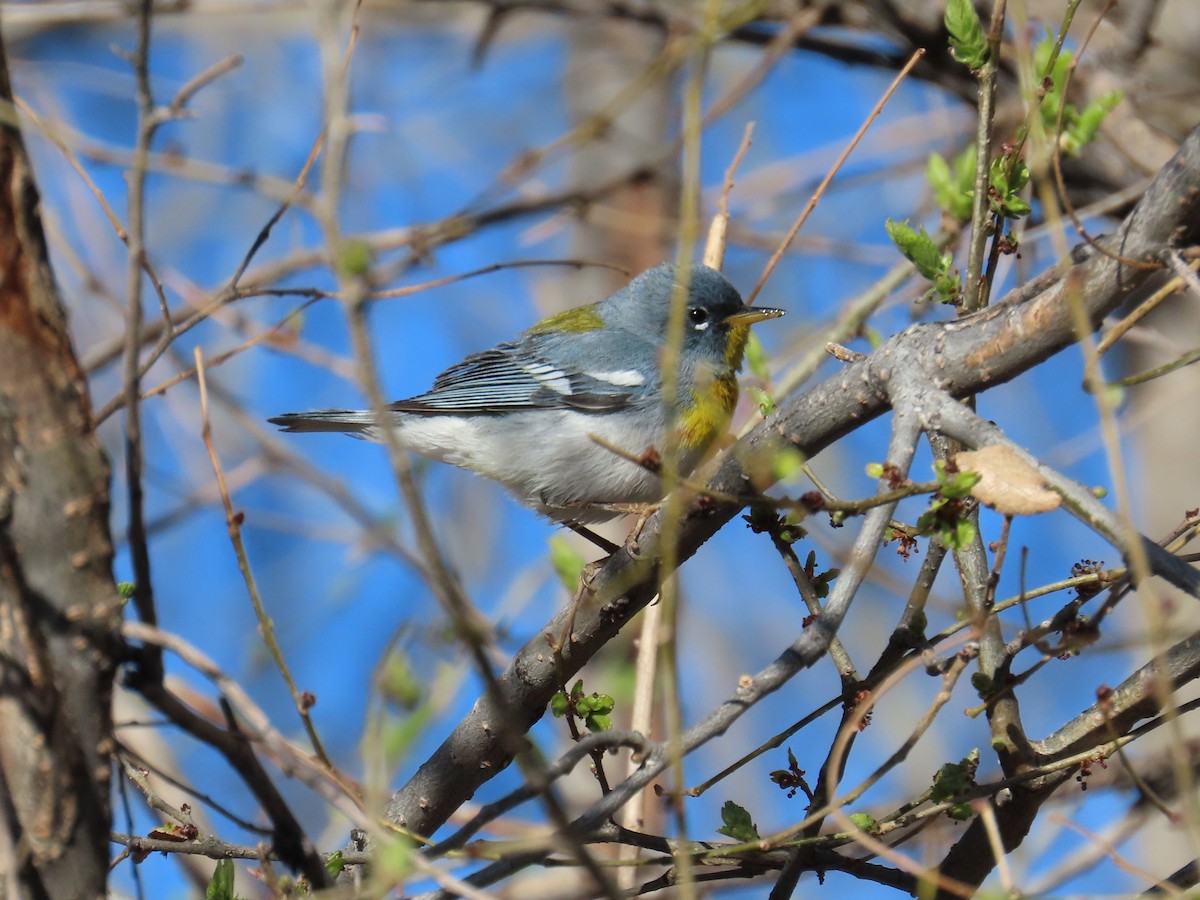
697 315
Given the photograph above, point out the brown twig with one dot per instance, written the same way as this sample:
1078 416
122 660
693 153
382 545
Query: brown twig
1056 162
303 701
829 176
976 293
143 593
714 247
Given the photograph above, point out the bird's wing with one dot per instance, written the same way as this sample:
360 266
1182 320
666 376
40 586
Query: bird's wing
515 377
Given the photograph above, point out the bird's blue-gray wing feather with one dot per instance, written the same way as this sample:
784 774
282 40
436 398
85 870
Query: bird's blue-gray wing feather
515 377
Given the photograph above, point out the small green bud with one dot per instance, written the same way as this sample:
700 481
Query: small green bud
355 258
864 822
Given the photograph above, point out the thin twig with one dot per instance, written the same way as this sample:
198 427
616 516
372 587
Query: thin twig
303 701
288 835
714 247
1056 162
143 591
976 294
205 78
1118 331
829 176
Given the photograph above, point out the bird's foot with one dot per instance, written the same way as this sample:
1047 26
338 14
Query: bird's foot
587 588
633 545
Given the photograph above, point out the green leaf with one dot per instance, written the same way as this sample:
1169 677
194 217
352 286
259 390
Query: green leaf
959 484
964 173
766 404
947 288
1042 51
594 709
1016 208
937 171
821 582
220 885
1094 114
1086 124
954 778
968 43
566 561
864 822
927 523
126 589
335 863
964 535
1079 127
790 529
738 824
559 704
918 247
953 189
921 250
951 526
1018 174
1007 177
1052 79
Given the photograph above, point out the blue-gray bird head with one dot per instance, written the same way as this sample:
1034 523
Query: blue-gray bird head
716 323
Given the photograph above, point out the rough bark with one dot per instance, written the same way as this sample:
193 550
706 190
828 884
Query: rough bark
59 608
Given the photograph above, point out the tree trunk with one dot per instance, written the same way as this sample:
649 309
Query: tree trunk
59 608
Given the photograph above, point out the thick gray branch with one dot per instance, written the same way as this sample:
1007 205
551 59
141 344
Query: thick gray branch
966 356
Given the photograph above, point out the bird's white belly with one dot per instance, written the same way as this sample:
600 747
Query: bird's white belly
548 458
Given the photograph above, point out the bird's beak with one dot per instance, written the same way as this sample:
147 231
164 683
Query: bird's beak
748 315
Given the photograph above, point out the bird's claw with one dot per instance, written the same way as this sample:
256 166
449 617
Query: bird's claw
633 543
587 586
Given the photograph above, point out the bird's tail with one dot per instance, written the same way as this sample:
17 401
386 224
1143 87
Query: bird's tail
358 422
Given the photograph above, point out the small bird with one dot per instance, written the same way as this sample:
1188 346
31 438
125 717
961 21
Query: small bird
542 415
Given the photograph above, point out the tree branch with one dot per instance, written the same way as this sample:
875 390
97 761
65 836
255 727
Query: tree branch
960 357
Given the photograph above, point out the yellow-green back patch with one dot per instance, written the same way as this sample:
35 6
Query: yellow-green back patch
572 321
